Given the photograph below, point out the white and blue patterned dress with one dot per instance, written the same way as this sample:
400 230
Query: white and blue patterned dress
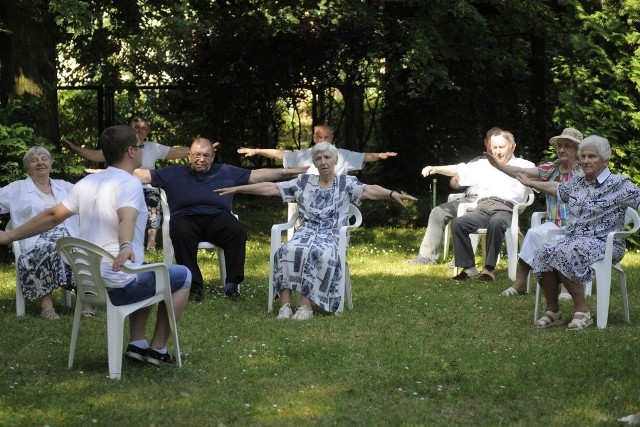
595 209
309 262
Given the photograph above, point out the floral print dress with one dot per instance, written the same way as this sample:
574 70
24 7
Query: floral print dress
309 262
595 209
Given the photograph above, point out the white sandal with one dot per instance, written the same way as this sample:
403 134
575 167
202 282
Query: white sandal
549 319
511 292
581 319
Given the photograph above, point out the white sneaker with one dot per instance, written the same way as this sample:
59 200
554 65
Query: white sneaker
303 313
285 312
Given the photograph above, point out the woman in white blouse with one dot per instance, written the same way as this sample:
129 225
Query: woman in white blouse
40 268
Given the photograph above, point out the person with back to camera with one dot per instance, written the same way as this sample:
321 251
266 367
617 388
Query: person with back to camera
310 259
497 195
440 216
561 170
152 152
197 215
113 215
40 268
598 200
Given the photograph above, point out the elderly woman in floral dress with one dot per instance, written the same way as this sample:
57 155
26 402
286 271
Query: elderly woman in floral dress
309 263
40 268
597 204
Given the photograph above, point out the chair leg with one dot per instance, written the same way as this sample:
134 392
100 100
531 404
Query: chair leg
74 332
115 326
223 267
622 281
536 309
603 294
19 297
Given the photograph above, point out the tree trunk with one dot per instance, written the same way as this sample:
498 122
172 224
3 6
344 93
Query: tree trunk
28 65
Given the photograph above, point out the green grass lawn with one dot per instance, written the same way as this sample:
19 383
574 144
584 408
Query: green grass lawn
417 349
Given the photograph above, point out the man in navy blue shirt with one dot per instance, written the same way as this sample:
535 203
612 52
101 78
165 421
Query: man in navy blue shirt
198 214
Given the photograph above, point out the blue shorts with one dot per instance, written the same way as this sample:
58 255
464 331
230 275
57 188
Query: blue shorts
144 285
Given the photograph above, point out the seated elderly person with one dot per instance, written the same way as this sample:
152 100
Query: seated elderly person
560 170
497 196
40 268
304 262
597 203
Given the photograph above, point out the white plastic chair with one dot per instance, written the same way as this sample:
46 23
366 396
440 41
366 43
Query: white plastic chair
355 220
85 259
602 270
512 235
20 305
447 242
167 245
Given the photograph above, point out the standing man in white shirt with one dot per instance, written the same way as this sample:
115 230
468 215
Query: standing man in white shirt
347 160
497 194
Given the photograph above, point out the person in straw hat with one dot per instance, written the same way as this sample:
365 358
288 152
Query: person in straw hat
560 170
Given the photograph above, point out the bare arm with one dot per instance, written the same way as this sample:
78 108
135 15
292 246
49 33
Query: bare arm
269 153
177 153
126 227
512 171
258 189
143 175
44 221
448 170
374 157
549 187
272 174
376 192
85 153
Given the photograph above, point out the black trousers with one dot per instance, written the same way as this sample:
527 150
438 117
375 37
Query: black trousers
223 230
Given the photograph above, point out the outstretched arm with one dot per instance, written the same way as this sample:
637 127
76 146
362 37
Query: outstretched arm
85 153
143 175
259 189
269 153
273 174
44 221
448 170
549 187
512 171
374 157
376 192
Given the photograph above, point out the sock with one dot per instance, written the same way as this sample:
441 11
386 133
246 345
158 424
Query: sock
143 344
163 350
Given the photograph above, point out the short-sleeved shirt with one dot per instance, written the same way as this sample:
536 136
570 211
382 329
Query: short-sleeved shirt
96 198
191 193
491 182
556 212
151 153
347 161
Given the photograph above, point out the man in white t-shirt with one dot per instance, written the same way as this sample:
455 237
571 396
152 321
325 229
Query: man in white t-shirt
113 216
347 160
152 152
497 195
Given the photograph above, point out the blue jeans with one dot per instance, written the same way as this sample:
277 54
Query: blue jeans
144 285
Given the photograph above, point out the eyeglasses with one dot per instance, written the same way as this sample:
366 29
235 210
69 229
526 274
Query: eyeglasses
140 146
204 156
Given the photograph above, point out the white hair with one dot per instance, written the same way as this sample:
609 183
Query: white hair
600 143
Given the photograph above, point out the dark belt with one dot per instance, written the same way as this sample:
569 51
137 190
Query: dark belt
499 200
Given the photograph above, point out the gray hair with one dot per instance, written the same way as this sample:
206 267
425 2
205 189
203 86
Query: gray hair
324 146
37 150
599 143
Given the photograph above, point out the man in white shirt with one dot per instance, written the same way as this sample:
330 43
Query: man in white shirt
113 216
152 152
497 194
347 160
